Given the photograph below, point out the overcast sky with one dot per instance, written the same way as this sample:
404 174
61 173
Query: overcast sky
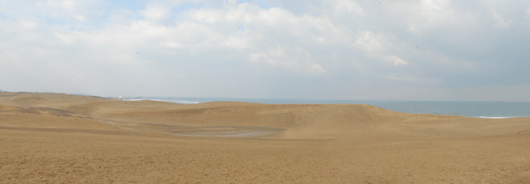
297 49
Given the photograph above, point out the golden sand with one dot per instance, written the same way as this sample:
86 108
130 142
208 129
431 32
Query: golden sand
58 138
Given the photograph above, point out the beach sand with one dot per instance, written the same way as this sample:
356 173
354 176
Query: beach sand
59 138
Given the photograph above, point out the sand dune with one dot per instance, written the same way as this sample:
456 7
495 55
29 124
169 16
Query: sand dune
59 138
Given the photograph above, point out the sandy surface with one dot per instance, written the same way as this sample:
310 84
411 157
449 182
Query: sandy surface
57 138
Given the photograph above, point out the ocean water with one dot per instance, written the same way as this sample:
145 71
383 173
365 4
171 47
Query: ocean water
479 109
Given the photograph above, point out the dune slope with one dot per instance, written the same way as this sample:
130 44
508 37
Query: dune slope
59 138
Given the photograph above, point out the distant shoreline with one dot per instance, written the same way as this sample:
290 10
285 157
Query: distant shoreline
474 109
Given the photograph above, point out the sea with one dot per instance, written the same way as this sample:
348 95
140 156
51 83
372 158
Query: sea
478 109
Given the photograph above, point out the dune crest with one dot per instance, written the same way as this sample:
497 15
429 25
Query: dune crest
311 121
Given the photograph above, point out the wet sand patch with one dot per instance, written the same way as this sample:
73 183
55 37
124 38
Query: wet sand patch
198 131
230 131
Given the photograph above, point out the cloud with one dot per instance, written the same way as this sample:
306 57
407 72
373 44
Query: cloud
28 24
347 7
426 14
396 60
298 60
501 21
353 49
156 12
369 42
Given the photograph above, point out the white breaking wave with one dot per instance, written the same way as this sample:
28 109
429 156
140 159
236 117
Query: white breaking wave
495 117
163 100
132 99
174 101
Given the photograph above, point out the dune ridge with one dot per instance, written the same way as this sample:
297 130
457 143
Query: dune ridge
51 138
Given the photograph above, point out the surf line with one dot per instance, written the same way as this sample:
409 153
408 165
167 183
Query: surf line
494 117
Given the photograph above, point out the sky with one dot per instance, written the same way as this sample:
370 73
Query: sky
435 50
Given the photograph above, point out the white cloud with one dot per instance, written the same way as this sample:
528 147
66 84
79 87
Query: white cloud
368 41
501 22
413 29
173 45
156 12
263 21
347 7
79 17
427 15
298 60
434 5
68 5
56 8
28 24
396 60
